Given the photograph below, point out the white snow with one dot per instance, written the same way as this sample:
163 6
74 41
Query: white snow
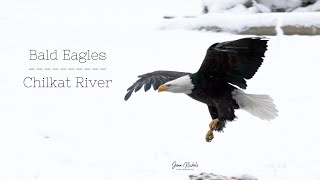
63 134
313 7
233 22
216 6
222 5
284 4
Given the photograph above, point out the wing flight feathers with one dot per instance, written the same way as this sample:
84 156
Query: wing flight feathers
235 61
154 79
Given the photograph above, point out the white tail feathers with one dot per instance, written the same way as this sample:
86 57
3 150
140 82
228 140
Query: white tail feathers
259 105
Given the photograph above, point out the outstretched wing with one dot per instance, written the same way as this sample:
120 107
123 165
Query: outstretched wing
155 79
235 61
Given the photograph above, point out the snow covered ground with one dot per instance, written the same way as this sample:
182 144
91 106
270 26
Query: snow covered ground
63 134
260 6
239 22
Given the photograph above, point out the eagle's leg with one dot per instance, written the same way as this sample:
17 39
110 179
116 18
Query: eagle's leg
218 122
219 126
215 125
212 127
209 136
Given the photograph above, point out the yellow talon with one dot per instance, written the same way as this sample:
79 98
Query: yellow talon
213 124
209 136
212 127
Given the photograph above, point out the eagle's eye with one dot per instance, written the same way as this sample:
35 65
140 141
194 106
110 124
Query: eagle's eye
168 85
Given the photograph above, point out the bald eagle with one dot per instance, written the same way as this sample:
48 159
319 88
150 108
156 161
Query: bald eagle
219 82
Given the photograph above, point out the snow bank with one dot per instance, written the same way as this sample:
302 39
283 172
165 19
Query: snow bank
236 23
258 6
212 176
221 5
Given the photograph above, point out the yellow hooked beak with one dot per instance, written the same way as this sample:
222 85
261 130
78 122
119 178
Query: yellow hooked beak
162 88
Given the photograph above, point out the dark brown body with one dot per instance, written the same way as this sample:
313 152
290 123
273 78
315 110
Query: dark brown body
217 95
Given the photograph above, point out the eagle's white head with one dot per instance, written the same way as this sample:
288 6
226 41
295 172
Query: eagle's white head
180 85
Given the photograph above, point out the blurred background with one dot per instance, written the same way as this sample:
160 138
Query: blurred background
261 17
92 133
